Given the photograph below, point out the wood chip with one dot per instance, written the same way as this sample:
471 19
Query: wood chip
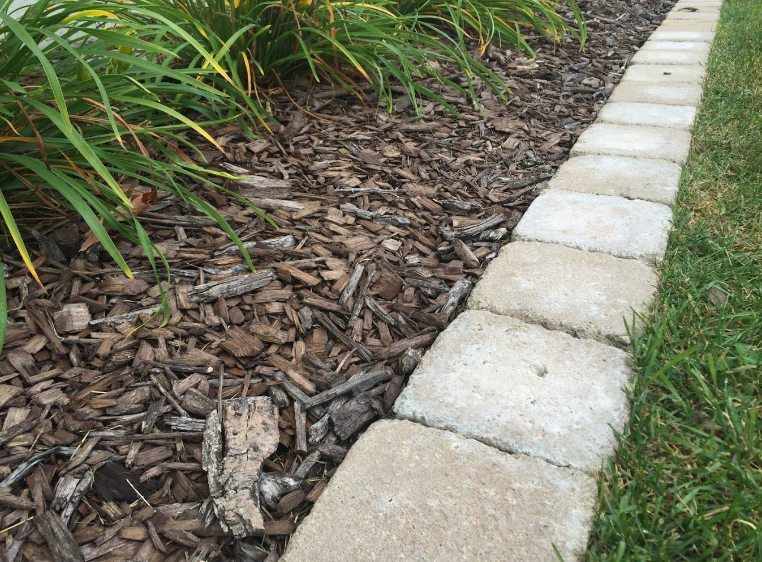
236 442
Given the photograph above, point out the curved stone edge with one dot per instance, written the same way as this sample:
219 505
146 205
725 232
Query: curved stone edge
407 491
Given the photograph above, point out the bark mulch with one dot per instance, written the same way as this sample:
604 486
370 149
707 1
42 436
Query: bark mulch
386 221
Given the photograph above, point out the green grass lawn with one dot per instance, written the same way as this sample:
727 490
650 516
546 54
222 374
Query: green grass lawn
688 481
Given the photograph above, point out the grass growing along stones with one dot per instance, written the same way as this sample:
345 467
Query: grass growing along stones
688 481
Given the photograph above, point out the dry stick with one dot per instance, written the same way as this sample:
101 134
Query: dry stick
360 299
458 292
233 287
169 397
358 383
59 539
328 324
376 309
300 416
354 280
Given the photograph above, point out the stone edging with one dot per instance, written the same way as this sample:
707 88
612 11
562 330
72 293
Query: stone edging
509 416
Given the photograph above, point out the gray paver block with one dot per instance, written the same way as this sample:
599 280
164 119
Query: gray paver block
651 114
598 223
685 45
666 56
657 92
587 294
411 493
700 15
667 74
635 178
687 25
523 389
677 36
635 141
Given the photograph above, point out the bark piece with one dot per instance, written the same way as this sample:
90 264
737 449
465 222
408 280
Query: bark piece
72 318
241 344
232 287
459 291
273 486
59 539
69 491
237 440
358 383
354 415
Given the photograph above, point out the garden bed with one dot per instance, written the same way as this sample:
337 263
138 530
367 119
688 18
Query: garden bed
386 221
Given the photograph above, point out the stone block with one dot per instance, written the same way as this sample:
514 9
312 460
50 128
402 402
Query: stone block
687 25
522 389
668 45
634 141
702 14
585 294
677 36
650 114
654 56
598 223
666 74
631 178
411 493
657 92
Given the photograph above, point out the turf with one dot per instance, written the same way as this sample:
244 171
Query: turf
687 482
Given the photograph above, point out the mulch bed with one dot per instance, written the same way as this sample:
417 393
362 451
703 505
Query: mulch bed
386 221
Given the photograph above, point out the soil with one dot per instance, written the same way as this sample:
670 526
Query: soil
386 221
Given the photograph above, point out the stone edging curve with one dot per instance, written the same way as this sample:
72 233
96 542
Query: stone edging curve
506 421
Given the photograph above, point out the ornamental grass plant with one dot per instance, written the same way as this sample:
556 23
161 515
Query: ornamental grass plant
99 105
93 123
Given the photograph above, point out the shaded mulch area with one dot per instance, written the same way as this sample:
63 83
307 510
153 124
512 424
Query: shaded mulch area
386 221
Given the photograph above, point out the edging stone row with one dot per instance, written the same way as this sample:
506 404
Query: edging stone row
510 415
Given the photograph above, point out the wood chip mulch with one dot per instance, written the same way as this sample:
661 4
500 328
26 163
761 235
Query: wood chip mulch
386 222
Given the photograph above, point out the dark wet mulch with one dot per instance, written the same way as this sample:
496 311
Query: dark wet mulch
386 222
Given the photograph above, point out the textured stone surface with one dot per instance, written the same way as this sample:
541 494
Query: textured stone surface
635 178
703 14
657 92
655 56
410 493
635 141
587 294
702 6
690 36
599 223
687 25
523 389
651 114
667 74
666 44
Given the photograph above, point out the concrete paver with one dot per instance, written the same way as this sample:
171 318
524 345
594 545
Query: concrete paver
667 56
633 178
522 389
651 114
685 45
664 73
598 223
586 294
700 15
635 141
657 92
687 25
407 492
677 36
